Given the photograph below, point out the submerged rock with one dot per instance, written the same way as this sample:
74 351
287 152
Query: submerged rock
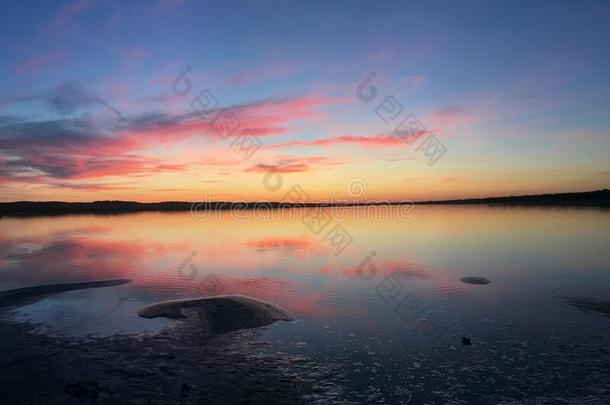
588 304
85 390
30 295
221 314
475 280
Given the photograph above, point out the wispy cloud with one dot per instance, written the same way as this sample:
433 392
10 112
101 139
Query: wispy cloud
288 168
34 64
290 164
66 15
79 147
251 76
371 141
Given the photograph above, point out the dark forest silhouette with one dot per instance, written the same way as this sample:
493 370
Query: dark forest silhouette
599 198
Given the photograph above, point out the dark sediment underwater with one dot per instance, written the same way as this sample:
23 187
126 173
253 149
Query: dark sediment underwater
584 304
214 354
197 360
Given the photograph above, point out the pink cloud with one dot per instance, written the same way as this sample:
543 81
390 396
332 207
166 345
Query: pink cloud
412 82
65 16
453 179
313 160
261 118
379 56
34 64
296 164
289 168
135 56
449 116
259 75
69 150
92 187
284 110
371 141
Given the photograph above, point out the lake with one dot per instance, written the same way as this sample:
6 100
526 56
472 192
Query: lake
377 289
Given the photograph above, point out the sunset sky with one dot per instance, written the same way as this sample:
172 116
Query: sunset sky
92 106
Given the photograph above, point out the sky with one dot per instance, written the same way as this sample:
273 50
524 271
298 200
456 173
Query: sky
168 100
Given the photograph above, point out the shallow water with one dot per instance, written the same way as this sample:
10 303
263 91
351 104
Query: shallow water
390 305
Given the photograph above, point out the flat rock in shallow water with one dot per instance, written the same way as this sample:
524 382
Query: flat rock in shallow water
475 280
588 304
221 314
30 295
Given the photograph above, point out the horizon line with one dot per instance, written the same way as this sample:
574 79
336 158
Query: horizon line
324 202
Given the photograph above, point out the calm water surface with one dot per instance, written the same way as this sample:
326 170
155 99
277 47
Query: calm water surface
390 306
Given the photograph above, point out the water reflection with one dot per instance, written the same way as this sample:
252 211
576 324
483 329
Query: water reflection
281 261
530 255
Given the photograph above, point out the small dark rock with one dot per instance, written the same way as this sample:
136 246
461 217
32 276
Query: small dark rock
117 372
167 370
83 390
185 390
475 280
466 341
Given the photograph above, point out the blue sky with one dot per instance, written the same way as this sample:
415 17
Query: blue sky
517 93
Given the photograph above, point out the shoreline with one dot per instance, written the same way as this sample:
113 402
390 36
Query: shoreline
589 199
